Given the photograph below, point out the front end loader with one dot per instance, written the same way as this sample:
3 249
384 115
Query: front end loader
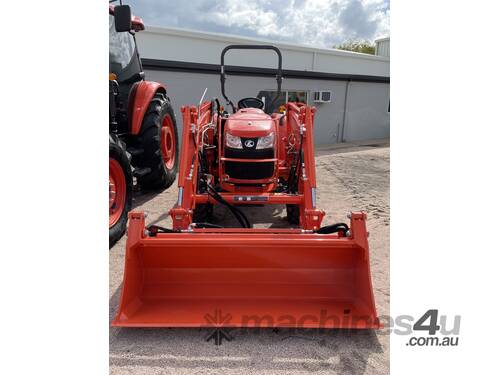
307 275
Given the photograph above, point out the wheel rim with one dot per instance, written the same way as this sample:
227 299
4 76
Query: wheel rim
168 141
117 191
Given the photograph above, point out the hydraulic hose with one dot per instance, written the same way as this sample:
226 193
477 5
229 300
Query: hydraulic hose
333 228
155 229
238 214
293 177
235 213
207 225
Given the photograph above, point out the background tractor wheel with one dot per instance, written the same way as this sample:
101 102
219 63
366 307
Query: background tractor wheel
293 213
157 163
120 189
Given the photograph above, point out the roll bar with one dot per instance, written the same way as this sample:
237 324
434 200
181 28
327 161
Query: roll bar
249 46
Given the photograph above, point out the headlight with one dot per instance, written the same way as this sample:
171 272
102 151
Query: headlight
265 142
233 141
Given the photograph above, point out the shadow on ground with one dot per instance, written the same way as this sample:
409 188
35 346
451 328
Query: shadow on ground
270 216
140 197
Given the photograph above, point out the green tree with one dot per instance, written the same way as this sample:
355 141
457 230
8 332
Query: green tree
361 46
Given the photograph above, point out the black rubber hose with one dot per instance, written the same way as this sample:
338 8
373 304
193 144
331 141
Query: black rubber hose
155 229
239 212
333 228
207 225
293 178
236 212
240 216
218 105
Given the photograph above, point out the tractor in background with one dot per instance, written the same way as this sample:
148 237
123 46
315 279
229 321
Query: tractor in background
142 125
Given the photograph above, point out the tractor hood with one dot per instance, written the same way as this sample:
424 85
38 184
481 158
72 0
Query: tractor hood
249 123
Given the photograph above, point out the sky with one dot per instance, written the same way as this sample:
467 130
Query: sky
318 23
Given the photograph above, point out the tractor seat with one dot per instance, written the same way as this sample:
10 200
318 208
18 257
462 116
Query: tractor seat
251 103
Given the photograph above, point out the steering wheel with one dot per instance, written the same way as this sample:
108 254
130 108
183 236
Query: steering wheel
251 103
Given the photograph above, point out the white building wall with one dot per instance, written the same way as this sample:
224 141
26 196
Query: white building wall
186 88
183 45
366 110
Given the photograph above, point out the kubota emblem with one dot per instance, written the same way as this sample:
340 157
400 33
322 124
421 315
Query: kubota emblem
249 143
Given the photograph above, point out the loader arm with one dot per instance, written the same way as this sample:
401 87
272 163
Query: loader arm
193 120
300 120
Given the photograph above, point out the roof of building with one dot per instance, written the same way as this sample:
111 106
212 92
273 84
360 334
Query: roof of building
176 44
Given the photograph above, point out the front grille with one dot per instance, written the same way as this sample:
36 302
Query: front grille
249 153
249 171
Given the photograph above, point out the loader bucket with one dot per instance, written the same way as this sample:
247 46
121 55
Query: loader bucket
252 277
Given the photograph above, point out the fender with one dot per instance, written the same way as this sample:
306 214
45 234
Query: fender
140 97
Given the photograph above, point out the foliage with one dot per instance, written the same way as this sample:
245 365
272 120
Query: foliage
361 46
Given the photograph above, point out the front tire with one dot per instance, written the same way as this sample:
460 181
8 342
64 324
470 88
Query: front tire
158 140
120 189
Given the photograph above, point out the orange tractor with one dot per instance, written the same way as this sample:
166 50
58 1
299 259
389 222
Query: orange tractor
142 127
307 275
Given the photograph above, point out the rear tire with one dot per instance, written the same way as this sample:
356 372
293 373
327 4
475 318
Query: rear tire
120 189
159 141
293 213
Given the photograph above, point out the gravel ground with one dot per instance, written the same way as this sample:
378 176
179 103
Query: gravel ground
348 179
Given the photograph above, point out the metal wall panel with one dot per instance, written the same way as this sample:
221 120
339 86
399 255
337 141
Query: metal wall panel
383 47
367 114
